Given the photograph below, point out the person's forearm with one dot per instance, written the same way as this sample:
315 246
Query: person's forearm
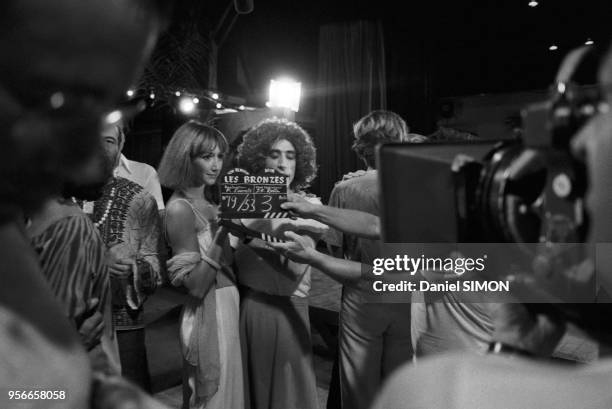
349 221
200 280
341 270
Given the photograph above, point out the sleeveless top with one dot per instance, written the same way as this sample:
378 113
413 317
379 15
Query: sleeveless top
205 232
199 327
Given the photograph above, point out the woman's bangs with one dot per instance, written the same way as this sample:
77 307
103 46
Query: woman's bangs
204 145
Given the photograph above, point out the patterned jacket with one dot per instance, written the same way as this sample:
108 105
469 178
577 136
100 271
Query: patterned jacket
128 221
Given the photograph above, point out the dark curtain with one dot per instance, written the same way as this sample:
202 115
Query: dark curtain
351 84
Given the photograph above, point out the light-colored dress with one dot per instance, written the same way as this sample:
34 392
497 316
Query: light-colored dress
209 332
274 321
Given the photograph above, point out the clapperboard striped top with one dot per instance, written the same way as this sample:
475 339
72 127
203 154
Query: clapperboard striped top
271 239
276 215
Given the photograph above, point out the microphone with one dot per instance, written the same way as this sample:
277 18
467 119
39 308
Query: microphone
243 6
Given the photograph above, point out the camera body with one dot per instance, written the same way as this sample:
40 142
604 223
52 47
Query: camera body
529 191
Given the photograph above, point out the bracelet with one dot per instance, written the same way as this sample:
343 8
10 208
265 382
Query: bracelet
211 262
498 348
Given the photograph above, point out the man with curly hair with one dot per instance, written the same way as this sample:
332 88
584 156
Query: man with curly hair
275 329
256 149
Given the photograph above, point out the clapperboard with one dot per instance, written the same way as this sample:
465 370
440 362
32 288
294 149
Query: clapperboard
246 196
248 233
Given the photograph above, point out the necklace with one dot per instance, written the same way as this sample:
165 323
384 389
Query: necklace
88 208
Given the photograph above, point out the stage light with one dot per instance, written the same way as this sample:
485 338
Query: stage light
113 117
130 92
196 100
561 87
152 95
553 47
285 93
186 105
533 3
241 107
219 106
177 93
215 95
57 100
589 42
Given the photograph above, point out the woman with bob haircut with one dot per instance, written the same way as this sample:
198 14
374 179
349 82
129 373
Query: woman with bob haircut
274 322
209 332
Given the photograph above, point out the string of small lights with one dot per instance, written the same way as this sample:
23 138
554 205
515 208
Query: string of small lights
188 101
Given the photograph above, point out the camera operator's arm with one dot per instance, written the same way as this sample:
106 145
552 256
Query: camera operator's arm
523 328
595 145
348 221
302 250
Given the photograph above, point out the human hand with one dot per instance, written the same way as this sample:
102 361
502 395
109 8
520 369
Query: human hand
299 206
534 328
92 326
234 227
119 265
300 249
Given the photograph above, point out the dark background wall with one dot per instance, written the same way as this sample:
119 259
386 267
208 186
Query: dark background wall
434 50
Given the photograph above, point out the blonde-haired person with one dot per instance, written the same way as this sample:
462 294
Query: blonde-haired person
378 127
201 257
274 320
374 338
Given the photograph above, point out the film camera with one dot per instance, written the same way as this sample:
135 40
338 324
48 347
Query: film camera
528 191
501 191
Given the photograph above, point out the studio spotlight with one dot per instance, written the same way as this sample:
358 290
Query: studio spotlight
57 100
285 93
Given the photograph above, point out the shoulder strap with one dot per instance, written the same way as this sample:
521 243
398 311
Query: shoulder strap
195 211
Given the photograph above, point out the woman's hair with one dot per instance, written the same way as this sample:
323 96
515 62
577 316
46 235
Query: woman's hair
190 140
258 141
375 128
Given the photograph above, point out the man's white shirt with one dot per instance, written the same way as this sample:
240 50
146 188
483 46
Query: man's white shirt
143 174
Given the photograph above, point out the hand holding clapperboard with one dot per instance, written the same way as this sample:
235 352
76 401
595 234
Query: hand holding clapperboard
246 196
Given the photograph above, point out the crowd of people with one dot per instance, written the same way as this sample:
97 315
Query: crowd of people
87 238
